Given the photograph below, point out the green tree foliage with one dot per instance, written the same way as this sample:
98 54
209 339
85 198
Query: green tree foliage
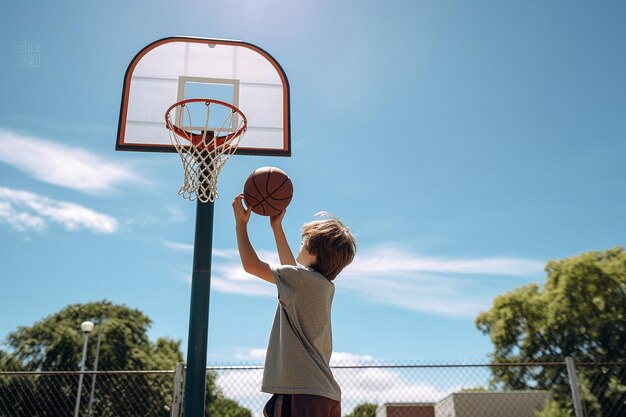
581 312
55 344
553 409
364 410
224 407
8 363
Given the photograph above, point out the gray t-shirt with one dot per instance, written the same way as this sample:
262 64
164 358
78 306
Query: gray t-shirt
300 345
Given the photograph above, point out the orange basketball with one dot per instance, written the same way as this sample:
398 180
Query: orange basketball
268 190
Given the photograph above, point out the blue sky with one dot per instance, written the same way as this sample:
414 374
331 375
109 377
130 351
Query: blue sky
465 143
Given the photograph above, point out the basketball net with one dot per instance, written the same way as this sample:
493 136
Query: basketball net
204 150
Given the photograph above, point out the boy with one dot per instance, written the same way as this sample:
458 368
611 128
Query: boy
297 370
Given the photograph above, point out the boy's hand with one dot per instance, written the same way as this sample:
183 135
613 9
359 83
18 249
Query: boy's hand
242 215
277 219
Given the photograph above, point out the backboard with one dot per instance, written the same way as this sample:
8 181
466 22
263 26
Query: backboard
178 68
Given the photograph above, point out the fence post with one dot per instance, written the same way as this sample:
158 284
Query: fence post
177 397
573 382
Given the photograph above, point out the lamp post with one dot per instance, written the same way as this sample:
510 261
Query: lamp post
86 327
95 366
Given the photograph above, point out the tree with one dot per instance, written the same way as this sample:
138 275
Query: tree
224 407
8 363
580 312
364 410
553 409
55 344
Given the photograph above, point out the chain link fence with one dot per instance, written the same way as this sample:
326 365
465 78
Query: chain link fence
114 393
369 390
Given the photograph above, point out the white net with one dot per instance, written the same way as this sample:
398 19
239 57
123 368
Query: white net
204 150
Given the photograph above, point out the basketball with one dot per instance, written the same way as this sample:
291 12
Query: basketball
268 191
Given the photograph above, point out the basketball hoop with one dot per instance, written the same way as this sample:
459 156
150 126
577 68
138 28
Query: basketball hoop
205 148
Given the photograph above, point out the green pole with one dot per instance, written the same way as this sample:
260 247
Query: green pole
195 379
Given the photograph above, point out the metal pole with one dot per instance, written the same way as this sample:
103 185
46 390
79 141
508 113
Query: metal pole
573 382
82 369
195 378
95 367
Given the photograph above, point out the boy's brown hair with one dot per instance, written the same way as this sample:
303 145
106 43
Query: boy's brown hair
333 244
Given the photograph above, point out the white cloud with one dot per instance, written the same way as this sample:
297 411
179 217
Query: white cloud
20 221
393 261
243 386
176 215
385 385
454 287
443 286
420 292
228 275
179 247
26 211
183 276
231 278
349 359
234 280
63 165
257 355
252 355
232 254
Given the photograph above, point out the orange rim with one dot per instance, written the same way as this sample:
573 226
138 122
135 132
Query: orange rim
196 138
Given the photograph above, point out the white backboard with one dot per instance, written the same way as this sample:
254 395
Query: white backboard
173 69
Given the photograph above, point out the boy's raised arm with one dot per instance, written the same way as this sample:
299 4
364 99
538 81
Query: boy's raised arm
284 251
249 259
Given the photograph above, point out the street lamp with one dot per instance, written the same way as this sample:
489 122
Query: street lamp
86 327
95 366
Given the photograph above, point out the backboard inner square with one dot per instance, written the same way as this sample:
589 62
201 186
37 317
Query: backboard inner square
194 116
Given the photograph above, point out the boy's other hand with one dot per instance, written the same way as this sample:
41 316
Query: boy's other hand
277 219
242 215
